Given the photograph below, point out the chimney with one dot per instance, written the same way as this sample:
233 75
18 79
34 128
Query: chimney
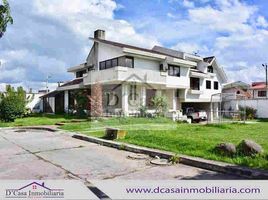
99 34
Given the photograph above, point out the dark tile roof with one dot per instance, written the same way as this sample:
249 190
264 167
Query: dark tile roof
73 82
122 45
209 59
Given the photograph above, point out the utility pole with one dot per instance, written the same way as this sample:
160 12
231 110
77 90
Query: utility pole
48 77
266 83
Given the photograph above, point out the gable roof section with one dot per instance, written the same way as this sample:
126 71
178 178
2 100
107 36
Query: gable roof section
122 45
209 59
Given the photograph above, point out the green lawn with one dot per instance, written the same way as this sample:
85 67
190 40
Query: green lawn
188 139
37 119
160 133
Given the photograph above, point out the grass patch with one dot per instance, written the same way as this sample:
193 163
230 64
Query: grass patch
189 139
37 119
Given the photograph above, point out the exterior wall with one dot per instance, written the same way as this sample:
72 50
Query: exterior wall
255 93
35 105
261 105
141 63
204 95
107 52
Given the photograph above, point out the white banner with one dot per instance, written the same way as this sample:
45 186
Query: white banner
45 189
182 189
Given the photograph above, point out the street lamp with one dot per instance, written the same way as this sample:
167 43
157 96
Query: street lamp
266 69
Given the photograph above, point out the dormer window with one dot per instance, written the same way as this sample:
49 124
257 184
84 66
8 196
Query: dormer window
210 69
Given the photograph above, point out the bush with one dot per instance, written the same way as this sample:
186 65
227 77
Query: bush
143 111
248 112
160 104
12 104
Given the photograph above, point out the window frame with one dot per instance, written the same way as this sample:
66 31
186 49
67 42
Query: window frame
172 71
208 86
210 69
216 83
262 92
132 61
194 88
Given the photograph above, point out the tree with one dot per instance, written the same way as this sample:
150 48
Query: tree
5 17
95 100
81 102
160 104
12 104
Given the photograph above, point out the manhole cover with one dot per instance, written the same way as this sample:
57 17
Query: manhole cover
138 156
20 131
160 162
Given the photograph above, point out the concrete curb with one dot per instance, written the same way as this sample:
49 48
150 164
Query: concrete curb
44 128
187 160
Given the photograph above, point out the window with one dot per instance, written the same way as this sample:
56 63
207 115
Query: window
210 69
80 73
130 62
173 70
208 84
114 62
261 93
108 64
133 92
216 85
194 83
102 65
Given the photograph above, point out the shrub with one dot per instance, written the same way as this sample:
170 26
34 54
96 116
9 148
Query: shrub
247 112
12 104
160 104
143 111
81 103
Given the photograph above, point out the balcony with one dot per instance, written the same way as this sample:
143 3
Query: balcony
119 74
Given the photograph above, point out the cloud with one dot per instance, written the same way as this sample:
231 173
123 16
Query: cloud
188 4
47 37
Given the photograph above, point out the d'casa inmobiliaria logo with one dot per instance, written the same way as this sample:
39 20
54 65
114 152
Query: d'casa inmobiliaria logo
35 190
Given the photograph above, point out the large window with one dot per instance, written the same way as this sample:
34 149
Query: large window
194 83
216 85
210 69
173 70
129 62
261 93
109 63
120 61
208 84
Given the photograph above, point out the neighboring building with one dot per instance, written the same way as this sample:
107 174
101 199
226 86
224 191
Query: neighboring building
239 94
258 90
237 89
131 76
35 104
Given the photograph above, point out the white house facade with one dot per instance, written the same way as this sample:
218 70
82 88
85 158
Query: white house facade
131 76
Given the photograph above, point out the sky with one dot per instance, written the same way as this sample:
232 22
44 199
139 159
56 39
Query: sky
48 36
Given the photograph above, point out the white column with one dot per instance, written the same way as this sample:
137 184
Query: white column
143 96
66 101
125 93
174 100
211 112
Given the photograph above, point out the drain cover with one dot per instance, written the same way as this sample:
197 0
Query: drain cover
20 131
160 162
138 156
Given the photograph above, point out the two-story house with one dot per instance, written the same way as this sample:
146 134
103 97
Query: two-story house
131 76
